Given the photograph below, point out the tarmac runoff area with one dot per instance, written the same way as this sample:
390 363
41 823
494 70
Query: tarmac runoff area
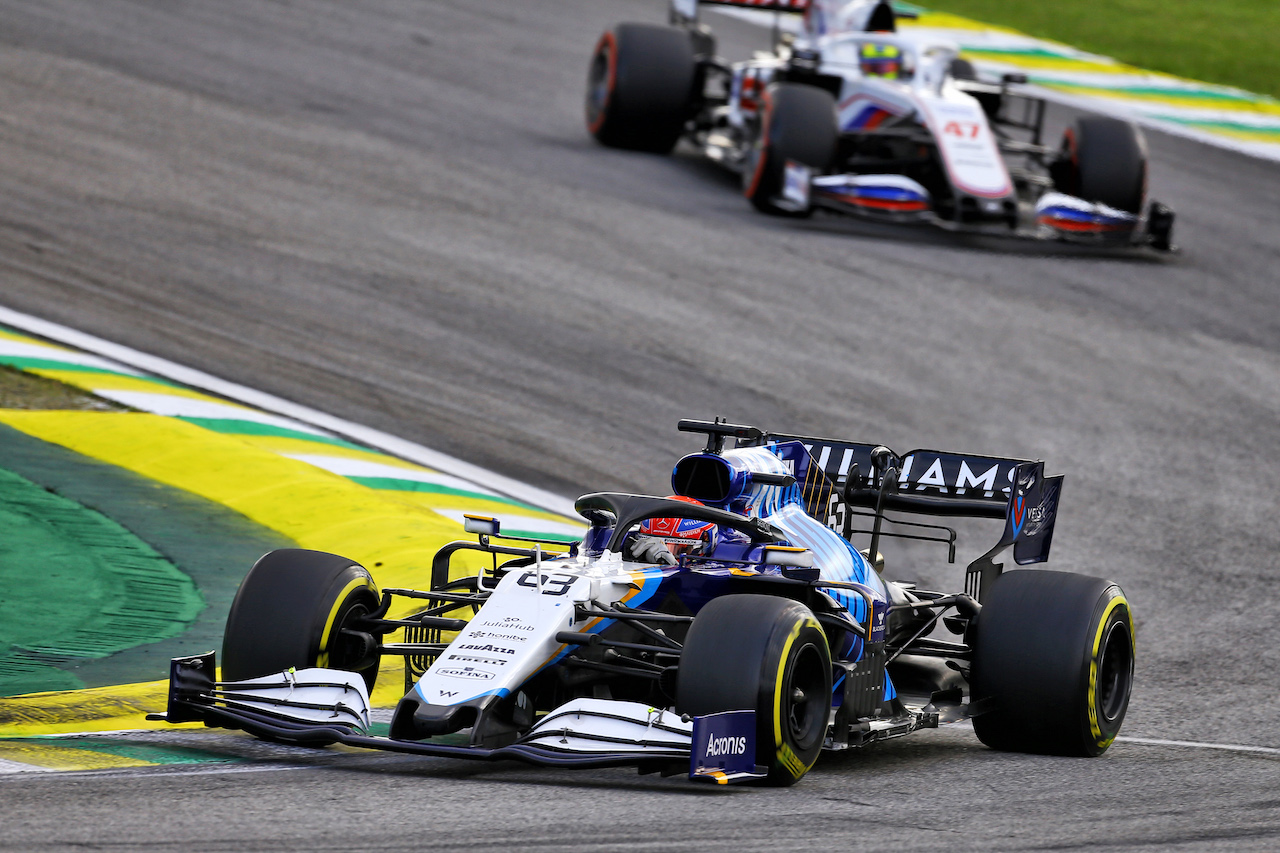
1218 115
128 531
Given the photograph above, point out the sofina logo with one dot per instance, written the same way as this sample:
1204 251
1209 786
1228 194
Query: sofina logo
469 672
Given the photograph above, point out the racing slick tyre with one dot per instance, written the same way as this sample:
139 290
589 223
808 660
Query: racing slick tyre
767 654
1103 160
640 87
799 124
1052 663
295 609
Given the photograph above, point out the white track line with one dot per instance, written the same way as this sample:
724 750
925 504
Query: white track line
13 768
8 767
1231 747
1151 741
239 393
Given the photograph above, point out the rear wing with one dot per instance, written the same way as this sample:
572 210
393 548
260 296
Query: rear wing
871 16
688 9
836 477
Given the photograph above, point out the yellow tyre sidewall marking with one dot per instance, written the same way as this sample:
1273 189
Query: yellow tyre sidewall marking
794 764
322 657
1094 727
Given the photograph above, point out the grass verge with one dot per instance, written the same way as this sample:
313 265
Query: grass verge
1232 42
20 390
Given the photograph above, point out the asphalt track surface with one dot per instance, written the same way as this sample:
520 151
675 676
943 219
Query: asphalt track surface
390 211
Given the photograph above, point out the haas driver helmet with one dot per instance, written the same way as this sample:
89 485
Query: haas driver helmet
879 59
682 535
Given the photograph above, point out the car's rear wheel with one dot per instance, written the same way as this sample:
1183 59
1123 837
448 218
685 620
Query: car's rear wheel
296 608
767 654
798 124
640 87
1103 160
1052 663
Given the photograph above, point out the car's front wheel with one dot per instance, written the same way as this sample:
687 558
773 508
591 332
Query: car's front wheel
296 608
1103 160
798 124
770 655
1053 660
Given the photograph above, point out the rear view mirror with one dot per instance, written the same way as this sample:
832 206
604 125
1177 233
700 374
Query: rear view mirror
795 563
481 525
785 555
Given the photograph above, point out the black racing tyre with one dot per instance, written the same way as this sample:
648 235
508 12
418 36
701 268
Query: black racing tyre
799 124
290 611
1103 160
640 87
1052 663
767 654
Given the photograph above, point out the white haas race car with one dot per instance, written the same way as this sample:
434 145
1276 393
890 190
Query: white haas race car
731 632
854 117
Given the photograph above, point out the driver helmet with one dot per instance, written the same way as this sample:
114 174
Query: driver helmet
880 59
683 535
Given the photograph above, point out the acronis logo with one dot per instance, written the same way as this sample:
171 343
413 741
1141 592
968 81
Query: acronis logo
726 746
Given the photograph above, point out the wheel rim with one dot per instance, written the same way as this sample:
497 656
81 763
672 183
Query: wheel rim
804 707
1115 672
598 84
344 652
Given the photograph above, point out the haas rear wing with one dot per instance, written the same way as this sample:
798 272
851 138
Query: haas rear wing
835 477
688 9
867 16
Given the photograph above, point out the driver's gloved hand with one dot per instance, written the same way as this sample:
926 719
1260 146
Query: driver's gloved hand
651 549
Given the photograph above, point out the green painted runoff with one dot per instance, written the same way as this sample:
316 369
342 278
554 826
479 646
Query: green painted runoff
106 575
77 585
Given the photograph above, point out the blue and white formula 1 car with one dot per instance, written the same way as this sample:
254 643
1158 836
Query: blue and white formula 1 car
854 117
768 638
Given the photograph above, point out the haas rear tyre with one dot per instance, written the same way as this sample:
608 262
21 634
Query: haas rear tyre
767 654
295 609
640 88
1103 160
1052 663
799 124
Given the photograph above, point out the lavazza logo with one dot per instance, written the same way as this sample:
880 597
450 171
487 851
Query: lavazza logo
726 746
488 648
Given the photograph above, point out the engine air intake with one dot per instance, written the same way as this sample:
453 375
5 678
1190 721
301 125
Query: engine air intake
703 477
